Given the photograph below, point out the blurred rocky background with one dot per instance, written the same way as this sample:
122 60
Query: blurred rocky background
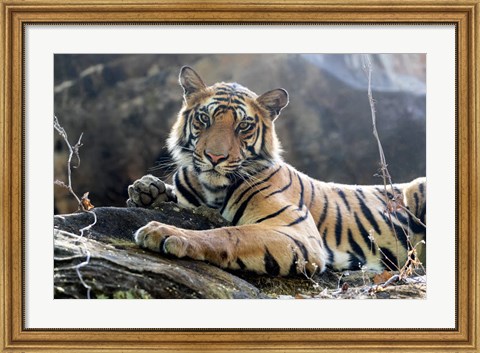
125 106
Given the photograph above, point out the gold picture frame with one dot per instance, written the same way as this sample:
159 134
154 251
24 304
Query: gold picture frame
464 14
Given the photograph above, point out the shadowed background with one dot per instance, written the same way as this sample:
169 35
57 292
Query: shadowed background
125 106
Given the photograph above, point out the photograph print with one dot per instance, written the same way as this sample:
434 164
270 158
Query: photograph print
240 176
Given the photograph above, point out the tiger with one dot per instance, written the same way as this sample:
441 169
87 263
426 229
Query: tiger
282 222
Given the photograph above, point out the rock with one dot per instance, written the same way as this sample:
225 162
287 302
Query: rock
116 270
121 222
115 267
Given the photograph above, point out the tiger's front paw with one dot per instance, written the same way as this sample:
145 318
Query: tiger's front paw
162 238
148 192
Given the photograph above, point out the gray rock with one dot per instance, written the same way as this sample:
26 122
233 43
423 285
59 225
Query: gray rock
117 268
121 222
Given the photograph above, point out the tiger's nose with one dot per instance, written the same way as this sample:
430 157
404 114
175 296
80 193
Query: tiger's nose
215 158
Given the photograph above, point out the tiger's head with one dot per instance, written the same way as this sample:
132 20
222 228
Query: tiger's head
225 131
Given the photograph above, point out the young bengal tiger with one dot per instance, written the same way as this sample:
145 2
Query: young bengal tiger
283 222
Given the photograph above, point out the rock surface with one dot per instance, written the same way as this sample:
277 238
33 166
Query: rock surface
112 266
117 268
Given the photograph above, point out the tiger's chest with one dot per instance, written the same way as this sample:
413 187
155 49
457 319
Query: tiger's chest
214 198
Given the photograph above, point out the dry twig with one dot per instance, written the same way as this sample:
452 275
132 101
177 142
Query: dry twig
394 204
83 203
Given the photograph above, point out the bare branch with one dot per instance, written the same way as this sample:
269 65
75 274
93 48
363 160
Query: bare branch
367 66
73 151
83 203
396 202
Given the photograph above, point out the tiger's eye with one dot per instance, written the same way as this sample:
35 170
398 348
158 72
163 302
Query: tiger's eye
203 118
244 125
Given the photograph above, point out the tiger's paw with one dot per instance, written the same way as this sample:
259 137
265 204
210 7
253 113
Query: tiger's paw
162 238
149 192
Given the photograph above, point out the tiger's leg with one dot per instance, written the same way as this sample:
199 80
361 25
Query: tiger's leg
148 192
253 247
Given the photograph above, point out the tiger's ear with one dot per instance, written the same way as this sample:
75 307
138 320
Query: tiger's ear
274 101
190 81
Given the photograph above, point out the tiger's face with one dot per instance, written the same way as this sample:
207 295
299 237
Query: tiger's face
225 131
